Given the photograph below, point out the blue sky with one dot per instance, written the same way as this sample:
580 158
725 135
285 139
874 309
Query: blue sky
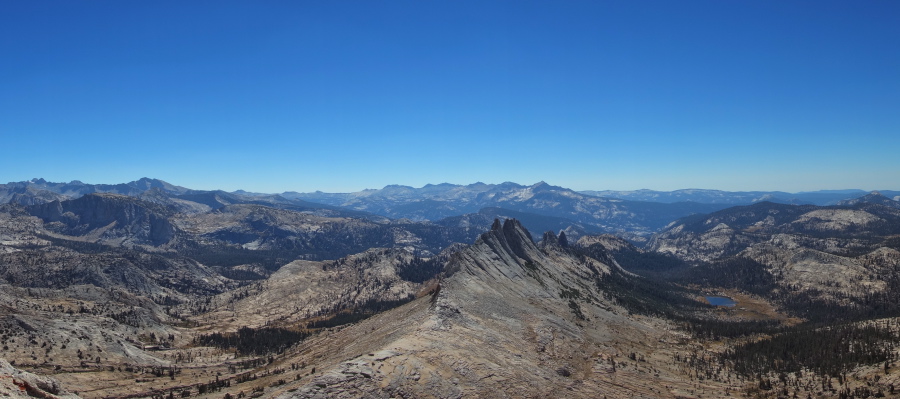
345 95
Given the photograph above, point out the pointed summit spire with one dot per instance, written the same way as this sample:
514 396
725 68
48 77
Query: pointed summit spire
509 236
563 241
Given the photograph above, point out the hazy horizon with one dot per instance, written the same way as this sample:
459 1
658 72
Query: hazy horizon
280 191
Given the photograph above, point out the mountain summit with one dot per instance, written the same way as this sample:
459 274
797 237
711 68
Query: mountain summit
510 319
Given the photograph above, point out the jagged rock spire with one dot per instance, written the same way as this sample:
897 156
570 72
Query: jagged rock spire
549 237
510 237
563 241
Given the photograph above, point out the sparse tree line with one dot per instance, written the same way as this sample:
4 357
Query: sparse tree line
341 314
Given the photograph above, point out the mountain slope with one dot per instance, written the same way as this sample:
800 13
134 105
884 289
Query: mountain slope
109 218
26 195
822 198
848 256
355 286
510 319
872 198
250 227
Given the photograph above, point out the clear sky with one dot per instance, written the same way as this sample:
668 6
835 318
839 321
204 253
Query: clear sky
339 96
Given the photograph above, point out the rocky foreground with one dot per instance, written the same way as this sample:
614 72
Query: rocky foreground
15 383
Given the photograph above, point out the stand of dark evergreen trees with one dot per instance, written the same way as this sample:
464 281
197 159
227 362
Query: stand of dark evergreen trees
826 351
253 341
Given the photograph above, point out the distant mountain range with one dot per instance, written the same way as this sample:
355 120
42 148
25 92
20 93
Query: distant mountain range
631 213
822 197
433 202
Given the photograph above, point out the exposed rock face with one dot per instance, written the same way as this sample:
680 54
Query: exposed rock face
15 383
64 301
609 242
832 251
26 195
563 240
836 219
110 217
708 237
835 276
137 273
90 292
258 227
366 282
173 203
874 197
159 222
477 223
726 233
261 227
510 320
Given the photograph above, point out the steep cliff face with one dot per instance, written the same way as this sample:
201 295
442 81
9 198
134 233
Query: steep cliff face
108 218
